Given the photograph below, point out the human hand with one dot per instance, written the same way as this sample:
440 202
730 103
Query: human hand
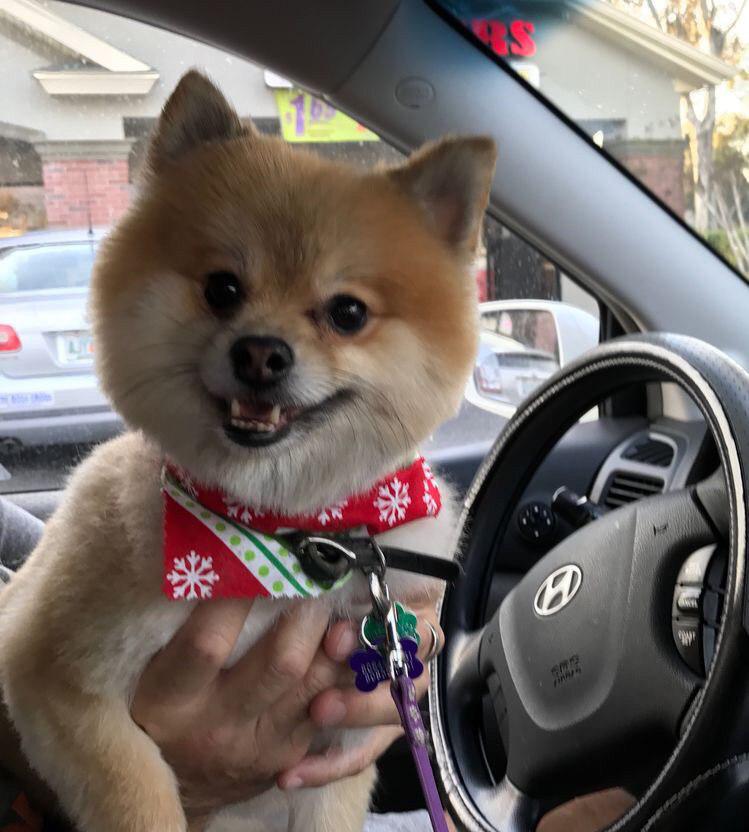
227 733
343 706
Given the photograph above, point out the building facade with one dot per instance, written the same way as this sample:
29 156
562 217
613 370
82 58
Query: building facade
81 89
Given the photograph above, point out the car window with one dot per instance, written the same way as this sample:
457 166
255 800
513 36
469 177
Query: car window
659 85
39 268
533 319
72 143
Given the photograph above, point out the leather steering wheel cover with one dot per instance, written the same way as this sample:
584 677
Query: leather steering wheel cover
720 388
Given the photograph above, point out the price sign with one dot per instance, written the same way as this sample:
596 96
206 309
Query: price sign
305 118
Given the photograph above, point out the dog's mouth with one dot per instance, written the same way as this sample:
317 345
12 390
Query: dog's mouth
253 423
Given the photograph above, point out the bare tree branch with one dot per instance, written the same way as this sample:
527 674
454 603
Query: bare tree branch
726 221
656 16
737 18
737 202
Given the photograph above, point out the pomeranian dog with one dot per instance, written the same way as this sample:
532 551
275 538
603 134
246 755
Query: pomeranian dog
282 328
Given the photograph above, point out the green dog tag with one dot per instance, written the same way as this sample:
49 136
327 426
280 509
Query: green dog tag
407 626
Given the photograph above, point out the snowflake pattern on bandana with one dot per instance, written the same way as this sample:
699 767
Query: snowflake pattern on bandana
238 512
392 501
430 503
430 481
332 513
192 577
430 496
218 547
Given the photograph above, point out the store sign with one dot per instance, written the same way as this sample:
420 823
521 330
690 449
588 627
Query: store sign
514 38
305 118
530 72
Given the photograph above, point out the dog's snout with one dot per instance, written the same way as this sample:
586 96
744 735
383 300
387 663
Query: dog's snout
261 360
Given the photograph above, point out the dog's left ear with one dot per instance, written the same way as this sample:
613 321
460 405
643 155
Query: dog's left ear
450 180
195 113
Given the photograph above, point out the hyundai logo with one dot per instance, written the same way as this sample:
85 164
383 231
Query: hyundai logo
558 589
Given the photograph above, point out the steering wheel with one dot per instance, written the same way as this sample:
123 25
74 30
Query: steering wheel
579 667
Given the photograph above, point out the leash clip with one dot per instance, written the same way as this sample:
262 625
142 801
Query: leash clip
372 563
323 558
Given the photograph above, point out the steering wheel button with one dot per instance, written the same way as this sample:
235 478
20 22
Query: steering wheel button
688 600
688 643
695 566
535 521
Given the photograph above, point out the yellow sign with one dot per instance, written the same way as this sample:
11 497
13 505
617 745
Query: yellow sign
305 118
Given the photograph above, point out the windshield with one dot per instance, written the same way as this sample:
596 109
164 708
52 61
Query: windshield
73 143
40 268
658 84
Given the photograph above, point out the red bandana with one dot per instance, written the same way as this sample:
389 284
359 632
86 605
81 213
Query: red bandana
215 547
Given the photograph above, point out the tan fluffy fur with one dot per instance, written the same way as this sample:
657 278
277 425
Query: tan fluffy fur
85 615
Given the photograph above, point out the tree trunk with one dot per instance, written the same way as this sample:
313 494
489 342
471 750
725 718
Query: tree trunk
703 186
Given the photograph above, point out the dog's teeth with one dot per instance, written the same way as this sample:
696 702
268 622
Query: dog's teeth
275 414
253 424
236 410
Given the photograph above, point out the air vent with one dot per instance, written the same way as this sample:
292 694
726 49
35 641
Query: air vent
625 487
651 452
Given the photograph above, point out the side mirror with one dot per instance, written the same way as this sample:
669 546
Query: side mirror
522 343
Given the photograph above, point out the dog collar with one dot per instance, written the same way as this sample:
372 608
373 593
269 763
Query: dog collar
216 547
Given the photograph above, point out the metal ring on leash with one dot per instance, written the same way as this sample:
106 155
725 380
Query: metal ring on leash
435 645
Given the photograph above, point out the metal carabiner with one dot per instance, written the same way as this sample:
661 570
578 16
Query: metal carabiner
386 612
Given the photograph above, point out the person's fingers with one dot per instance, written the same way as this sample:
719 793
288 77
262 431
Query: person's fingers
341 640
194 657
427 638
347 707
278 662
323 674
320 769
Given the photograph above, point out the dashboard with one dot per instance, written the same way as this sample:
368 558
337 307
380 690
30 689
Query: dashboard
612 462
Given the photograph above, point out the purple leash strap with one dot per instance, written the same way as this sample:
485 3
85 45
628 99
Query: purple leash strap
404 696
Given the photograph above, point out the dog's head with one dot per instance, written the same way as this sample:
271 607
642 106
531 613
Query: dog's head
283 326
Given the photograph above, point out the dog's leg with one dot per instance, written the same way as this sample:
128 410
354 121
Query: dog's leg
338 807
107 773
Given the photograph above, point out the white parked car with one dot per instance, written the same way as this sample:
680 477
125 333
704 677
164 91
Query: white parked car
48 390
522 343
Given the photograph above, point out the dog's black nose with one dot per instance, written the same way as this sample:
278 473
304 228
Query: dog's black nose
261 360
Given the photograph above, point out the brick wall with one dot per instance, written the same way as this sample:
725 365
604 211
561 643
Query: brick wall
85 182
659 166
79 190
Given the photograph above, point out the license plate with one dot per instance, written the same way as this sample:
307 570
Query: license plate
75 347
26 401
528 385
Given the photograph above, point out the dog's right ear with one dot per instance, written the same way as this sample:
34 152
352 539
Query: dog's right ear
195 113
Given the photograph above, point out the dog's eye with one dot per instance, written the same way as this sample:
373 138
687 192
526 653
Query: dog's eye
223 291
346 314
